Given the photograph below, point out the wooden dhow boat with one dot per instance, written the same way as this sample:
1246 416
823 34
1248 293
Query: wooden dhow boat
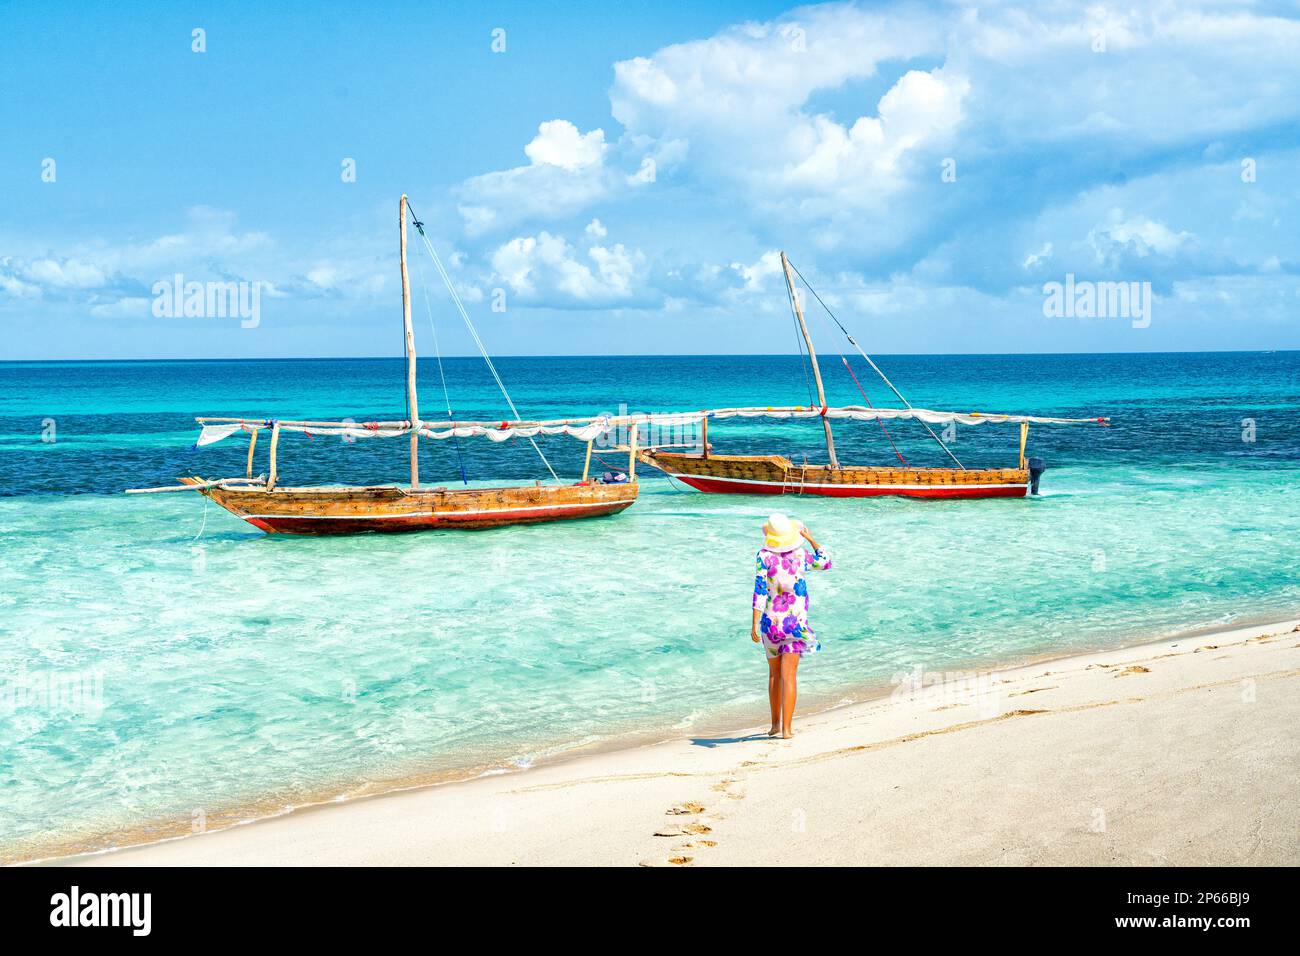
338 509
353 510
777 475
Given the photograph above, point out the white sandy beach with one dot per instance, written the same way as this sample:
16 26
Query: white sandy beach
1182 752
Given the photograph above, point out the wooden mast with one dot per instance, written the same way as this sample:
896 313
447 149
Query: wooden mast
412 406
812 357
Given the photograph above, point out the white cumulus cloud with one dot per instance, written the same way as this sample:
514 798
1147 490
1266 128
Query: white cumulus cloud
546 269
558 143
566 173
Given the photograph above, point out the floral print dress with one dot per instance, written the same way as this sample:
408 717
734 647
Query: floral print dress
781 590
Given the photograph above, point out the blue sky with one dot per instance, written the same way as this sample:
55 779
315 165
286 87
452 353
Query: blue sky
622 175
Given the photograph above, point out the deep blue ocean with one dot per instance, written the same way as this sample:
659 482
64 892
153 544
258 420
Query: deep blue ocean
218 674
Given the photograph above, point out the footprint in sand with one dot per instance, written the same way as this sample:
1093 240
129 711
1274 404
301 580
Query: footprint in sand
725 787
696 828
678 858
688 808
1133 669
684 808
691 828
680 855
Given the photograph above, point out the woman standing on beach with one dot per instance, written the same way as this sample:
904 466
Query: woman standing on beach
781 612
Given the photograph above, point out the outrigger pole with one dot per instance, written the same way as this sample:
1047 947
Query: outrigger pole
812 357
412 405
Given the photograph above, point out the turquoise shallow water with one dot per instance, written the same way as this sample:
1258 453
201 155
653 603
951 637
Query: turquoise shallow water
224 669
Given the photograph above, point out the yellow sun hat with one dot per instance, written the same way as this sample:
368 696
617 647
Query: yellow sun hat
781 533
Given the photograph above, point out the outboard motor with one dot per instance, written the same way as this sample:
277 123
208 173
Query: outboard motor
1036 468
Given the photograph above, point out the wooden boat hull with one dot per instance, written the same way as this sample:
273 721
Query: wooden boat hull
777 475
355 510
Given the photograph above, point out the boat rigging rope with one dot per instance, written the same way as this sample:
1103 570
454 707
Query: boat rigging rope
204 523
883 377
880 421
673 483
849 368
460 306
607 465
437 351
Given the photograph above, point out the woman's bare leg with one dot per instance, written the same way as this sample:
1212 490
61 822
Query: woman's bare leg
789 690
774 693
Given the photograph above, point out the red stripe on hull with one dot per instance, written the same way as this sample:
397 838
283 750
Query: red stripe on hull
449 519
724 487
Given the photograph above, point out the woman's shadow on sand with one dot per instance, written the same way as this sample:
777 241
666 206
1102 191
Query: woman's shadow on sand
720 741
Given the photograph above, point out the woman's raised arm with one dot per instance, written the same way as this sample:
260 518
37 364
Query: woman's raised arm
819 560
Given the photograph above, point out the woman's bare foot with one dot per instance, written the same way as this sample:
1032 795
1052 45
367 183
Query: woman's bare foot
774 731
787 735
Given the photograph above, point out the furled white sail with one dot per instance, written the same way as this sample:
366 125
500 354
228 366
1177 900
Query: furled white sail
862 413
588 429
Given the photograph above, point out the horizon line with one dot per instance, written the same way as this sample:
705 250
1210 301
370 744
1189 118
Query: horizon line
631 355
